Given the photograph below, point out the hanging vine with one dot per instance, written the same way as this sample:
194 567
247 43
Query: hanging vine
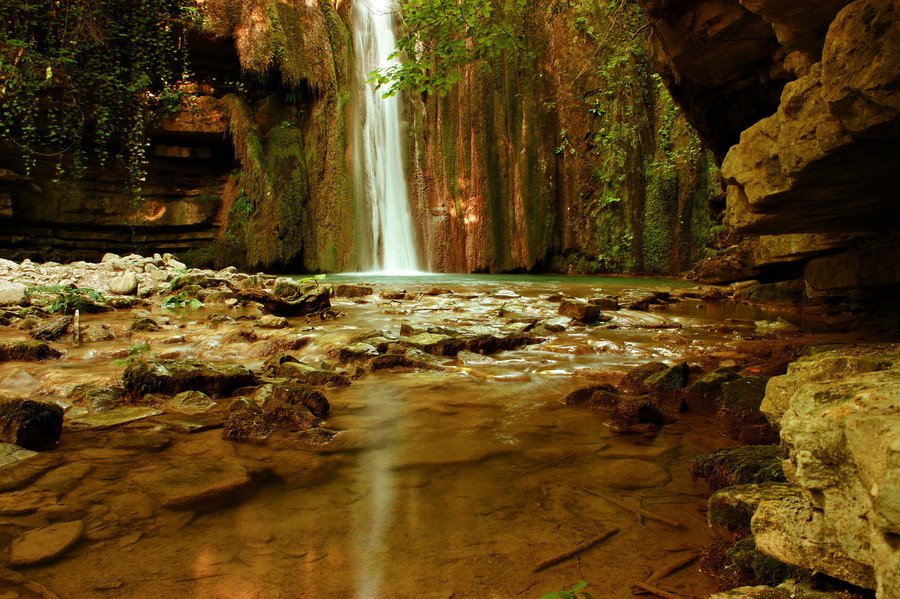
81 77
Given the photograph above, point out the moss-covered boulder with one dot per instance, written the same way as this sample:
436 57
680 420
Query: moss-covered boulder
733 507
318 377
34 425
27 351
740 403
739 466
170 377
636 415
603 395
703 396
656 376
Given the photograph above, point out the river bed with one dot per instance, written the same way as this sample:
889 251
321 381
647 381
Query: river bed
452 483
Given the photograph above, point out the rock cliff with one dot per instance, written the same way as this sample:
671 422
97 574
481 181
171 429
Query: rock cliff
802 103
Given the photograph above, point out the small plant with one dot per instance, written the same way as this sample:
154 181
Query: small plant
68 299
135 353
180 300
575 592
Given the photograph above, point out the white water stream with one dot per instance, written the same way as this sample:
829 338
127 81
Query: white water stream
381 182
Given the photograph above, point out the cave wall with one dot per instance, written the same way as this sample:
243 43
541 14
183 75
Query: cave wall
810 159
566 156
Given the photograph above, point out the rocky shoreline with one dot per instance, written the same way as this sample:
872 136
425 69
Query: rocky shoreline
265 375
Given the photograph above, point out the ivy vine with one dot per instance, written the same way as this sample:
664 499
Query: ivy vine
80 77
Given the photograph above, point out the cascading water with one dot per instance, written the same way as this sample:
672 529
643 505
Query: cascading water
380 179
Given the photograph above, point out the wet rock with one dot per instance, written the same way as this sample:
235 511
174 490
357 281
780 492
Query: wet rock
606 396
201 484
11 453
733 507
45 544
392 294
96 398
52 329
739 466
190 423
790 588
27 351
607 302
191 402
656 376
295 417
200 280
293 393
434 343
28 501
63 479
413 359
13 294
352 290
113 417
272 322
310 303
127 284
466 357
557 324
654 298
355 352
287 288
169 377
311 375
581 311
792 530
703 396
246 423
30 424
636 415
146 324
740 403
97 332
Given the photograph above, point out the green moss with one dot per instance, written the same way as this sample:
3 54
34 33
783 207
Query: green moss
739 466
765 570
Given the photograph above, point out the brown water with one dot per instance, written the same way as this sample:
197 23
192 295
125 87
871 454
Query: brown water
442 484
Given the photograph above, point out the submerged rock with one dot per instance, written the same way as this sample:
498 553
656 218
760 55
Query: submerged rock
45 544
30 424
199 485
96 398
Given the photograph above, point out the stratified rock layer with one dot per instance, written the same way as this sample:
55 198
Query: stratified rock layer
839 413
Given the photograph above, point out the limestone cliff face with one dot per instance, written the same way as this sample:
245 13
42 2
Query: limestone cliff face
251 172
811 160
565 156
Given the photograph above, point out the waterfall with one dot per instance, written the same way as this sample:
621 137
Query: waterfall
388 237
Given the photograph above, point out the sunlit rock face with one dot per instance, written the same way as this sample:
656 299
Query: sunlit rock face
805 102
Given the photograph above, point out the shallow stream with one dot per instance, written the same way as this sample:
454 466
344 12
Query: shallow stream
453 483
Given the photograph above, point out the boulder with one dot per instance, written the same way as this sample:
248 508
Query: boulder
739 466
739 404
127 284
191 402
303 373
596 396
13 294
581 311
434 343
30 424
352 291
636 415
703 396
272 322
169 377
354 352
733 507
293 393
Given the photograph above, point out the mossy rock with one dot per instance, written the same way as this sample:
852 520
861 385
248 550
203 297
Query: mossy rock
655 376
740 403
765 570
703 396
296 417
739 466
27 351
602 396
733 507
97 398
293 393
170 377
311 375
34 425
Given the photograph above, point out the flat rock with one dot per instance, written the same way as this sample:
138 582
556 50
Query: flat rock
46 543
25 502
113 417
190 423
10 454
198 485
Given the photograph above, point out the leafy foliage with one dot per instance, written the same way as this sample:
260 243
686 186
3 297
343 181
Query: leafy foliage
440 37
136 352
68 299
182 300
87 74
575 592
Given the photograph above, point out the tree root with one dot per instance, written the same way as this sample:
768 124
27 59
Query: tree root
572 553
